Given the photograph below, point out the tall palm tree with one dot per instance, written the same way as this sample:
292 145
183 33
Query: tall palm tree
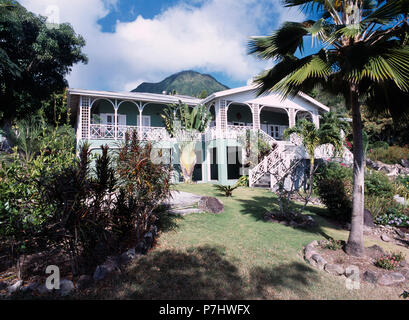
362 53
312 137
185 123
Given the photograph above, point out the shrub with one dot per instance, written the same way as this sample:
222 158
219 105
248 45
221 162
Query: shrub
378 184
402 186
378 206
394 217
389 262
379 145
334 185
243 181
333 244
227 190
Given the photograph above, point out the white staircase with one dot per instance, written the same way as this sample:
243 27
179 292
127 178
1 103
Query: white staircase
276 164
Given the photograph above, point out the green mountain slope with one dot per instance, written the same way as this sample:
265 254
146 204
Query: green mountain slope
190 83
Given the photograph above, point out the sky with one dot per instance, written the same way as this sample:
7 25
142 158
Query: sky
133 41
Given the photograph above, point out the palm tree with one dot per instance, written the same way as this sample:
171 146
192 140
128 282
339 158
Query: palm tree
185 124
362 53
330 132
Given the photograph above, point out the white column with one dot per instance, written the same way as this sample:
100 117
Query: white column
256 116
140 121
116 120
315 118
291 117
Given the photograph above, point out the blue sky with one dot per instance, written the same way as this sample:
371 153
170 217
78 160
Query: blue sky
131 41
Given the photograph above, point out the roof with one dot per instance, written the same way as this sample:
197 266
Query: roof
266 99
139 96
263 99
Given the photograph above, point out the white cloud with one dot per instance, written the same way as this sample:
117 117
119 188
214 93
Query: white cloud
212 36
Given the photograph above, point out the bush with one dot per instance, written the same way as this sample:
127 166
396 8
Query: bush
402 186
390 262
333 185
378 184
379 145
390 155
397 216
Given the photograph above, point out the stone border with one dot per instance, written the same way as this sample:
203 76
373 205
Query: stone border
112 264
317 261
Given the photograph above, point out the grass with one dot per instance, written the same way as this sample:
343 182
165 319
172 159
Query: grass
235 255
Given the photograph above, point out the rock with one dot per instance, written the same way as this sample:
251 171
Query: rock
405 272
66 287
84 282
368 220
319 261
211 204
127 256
350 272
335 269
403 263
391 279
375 252
3 285
43 289
400 200
405 163
385 238
400 233
105 269
371 276
15 287
30 288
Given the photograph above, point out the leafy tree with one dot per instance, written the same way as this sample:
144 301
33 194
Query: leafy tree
312 137
363 54
203 94
34 60
185 123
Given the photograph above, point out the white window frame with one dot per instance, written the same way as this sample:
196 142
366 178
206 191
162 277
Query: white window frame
148 118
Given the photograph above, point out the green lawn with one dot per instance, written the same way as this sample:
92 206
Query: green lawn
234 255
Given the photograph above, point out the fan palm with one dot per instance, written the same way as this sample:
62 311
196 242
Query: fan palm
185 123
312 137
363 54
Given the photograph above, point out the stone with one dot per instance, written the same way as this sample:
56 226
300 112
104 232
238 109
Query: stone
335 269
105 269
375 251
211 204
127 256
403 263
391 279
405 163
400 200
405 272
368 220
3 285
319 261
400 233
30 288
43 289
371 276
84 282
15 287
66 287
385 238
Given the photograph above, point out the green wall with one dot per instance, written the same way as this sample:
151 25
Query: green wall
154 110
273 118
243 110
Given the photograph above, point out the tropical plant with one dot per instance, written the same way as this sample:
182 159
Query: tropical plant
185 123
312 137
227 190
363 54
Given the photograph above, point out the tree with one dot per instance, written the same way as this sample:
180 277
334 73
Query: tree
312 137
34 60
362 53
185 123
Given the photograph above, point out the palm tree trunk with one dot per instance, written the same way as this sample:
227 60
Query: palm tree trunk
355 244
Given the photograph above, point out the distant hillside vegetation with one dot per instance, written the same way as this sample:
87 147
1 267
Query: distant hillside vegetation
190 83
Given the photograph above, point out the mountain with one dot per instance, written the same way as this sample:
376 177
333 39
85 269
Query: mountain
189 83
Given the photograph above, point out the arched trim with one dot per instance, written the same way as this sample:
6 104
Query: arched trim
93 101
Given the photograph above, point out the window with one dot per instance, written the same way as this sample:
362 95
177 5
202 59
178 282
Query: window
146 121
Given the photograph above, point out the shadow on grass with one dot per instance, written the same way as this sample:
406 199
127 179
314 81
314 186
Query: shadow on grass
201 273
258 206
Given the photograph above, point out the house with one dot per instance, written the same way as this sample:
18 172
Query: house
104 117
